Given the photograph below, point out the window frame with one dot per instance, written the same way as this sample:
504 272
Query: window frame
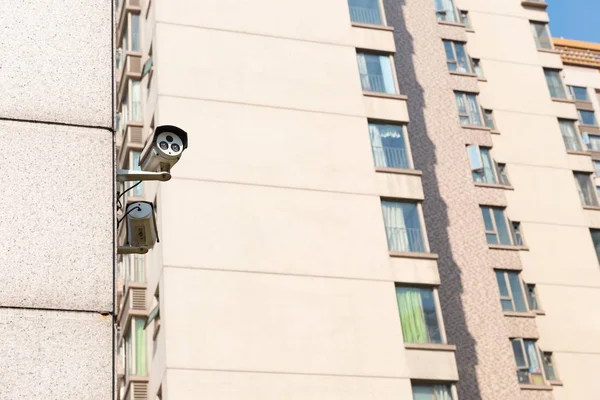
476 64
492 162
455 60
590 186
517 232
552 365
426 248
571 90
509 287
437 305
468 24
580 119
562 82
536 297
502 172
537 38
445 13
390 56
430 383
490 117
381 15
404 128
526 358
468 115
493 219
579 142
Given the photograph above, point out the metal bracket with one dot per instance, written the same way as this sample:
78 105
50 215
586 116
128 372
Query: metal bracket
131 250
127 175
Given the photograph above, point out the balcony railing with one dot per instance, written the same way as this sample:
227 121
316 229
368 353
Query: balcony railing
363 15
390 157
405 239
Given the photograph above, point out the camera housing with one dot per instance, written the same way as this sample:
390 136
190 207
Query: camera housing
163 149
141 224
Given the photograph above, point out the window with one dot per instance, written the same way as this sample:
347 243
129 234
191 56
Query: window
541 35
555 84
482 165
596 240
418 315
468 109
135 348
488 117
135 32
432 392
592 141
403 226
529 369
135 165
549 370
587 118
388 145
154 316
456 56
477 68
464 19
502 174
376 73
570 135
532 297
445 11
517 234
585 188
578 93
125 109
511 291
496 227
365 11
597 167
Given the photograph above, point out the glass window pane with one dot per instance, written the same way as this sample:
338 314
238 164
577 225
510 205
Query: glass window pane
541 35
535 367
488 166
501 226
403 226
488 116
517 292
474 110
502 284
487 218
503 175
460 102
596 239
365 11
418 315
518 352
388 146
585 188
422 393
445 10
464 18
579 93
587 117
507 305
492 238
597 167
140 347
532 297
376 73
449 51
135 32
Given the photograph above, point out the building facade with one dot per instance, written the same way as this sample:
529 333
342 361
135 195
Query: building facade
381 199
56 175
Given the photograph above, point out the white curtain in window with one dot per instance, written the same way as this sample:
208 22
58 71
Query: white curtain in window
474 110
488 168
377 146
534 362
136 101
395 225
362 69
460 102
555 84
569 134
442 392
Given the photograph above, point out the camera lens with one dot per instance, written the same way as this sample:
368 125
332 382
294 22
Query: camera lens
175 147
164 145
169 138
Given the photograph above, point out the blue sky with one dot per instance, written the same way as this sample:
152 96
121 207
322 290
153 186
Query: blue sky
575 19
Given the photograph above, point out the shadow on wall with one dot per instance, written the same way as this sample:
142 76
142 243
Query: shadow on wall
434 207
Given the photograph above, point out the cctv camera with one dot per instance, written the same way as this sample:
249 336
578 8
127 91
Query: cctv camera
141 224
163 149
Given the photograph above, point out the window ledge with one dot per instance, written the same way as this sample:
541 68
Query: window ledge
470 30
477 127
584 126
406 254
555 383
551 51
503 247
558 100
538 4
530 386
539 312
402 171
596 208
470 74
482 79
494 186
578 153
495 131
519 314
457 24
430 346
385 95
373 26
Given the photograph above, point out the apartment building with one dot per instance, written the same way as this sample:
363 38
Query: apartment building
382 199
56 202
